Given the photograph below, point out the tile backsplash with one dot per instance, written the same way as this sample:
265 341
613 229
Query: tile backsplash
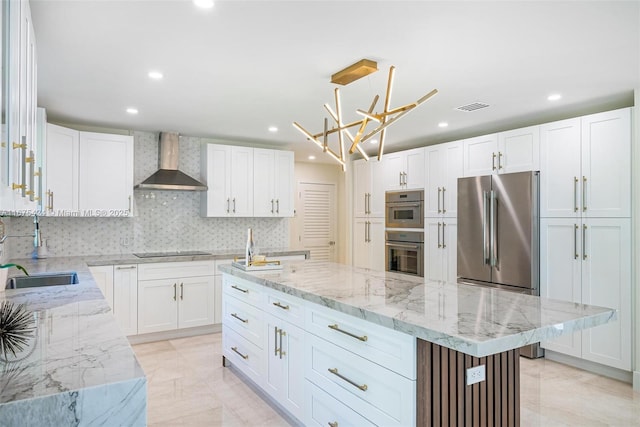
163 221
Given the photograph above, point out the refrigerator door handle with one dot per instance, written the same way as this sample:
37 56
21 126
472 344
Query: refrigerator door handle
485 218
494 230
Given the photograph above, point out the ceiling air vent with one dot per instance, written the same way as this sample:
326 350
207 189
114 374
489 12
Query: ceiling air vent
472 107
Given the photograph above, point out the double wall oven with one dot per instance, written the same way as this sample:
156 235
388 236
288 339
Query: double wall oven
404 221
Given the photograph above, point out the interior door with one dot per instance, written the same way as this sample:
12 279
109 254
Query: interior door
318 218
473 220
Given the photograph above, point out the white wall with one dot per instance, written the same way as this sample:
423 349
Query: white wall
326 174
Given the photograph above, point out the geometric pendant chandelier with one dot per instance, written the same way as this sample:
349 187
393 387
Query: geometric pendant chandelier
383 119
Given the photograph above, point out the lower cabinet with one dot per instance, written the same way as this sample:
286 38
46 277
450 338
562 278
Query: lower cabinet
119 285
440 249
175 295
322 366
368 243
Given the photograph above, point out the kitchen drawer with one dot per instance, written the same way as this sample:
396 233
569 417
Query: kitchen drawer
175 270
285 307
385 397
322 410
244 355
245 319
243 290
391 349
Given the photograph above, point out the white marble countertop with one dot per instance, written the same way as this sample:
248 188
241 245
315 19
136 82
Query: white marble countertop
475 320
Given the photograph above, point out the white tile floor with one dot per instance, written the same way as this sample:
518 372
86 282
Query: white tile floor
187 386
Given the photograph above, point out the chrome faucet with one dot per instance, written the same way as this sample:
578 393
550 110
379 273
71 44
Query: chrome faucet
37 238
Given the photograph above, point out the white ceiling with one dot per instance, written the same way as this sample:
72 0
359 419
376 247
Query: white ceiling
233 71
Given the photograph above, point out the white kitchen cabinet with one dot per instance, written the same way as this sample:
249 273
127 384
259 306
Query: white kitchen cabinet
404 170
284 376
105 174
228 173
443 165
368 189
369 243
125 297
273 183
103 276
585 166
440 249
516 150
589 262
62 160
175 295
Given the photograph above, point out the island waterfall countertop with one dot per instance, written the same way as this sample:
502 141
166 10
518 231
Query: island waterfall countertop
474 320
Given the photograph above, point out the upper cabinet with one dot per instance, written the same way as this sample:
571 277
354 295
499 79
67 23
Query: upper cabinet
506 152
444 164
87 173
404 170
586 166
18 171
273 183
246 182
368 189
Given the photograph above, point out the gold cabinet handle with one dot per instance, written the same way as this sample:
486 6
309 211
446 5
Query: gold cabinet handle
443 208
584 194
499 160
584 242
333 424
239 318
131 267
235 350
282 333
575 194
32 175
174 292
335 372
444 245
575 242
493 161
335 327
284 307
439 191
181 291
439 244
275 341
240 289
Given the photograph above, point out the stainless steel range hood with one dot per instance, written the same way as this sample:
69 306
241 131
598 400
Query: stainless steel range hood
168 177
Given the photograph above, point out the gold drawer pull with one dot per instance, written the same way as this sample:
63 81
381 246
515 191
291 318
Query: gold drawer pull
336 328
240 289
239 318
284 307
333 424
334 371
235 350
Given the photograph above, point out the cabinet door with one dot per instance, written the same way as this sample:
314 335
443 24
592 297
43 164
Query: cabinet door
481 155
376 244
606 281
454 162
519 150
560 169
435 168
360 243
284 186
157 309
414 168
361 188
560 273
103 275
393 166
606 164
105 174
125 297
241 181
433 253
61 169
216 173
377 198
196 302
450 250
263 183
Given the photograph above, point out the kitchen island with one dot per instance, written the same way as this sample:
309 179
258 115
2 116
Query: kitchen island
352 327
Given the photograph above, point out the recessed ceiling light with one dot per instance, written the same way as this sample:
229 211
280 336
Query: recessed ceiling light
554 97
204 4
373 141
273 129
132 110
443 124
312 157
155 75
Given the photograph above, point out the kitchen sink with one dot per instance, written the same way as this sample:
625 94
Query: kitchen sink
43 279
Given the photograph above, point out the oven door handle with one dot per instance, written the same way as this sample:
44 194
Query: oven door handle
398 245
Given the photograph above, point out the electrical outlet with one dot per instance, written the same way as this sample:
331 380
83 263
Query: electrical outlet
476 374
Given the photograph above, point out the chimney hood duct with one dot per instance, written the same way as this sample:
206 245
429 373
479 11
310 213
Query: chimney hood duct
168 177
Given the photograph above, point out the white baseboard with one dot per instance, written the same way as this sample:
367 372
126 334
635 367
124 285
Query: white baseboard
174 334
596 368
636 380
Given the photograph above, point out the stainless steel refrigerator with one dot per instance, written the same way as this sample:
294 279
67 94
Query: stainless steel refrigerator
498 234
